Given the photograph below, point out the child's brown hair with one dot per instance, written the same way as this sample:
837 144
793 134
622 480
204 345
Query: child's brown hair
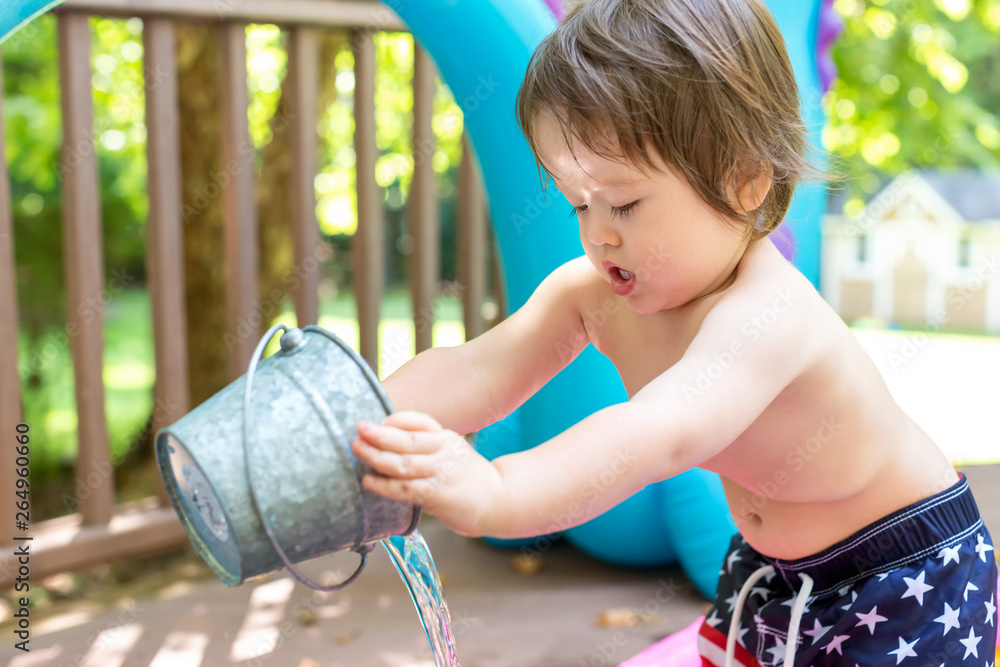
706 83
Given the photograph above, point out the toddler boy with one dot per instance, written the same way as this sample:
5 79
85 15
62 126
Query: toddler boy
673 129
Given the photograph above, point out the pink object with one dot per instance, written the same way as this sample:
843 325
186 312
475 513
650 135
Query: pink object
678 650
557 9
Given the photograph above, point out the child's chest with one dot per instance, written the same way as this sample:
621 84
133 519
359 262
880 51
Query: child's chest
642 347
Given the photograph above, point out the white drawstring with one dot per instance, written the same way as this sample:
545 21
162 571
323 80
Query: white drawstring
793 624
798 608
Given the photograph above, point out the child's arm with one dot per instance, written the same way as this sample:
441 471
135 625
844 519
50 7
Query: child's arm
667 427
468 387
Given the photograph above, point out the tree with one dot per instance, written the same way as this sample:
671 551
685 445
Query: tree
917 88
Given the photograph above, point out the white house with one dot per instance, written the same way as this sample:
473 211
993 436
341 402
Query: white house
925 250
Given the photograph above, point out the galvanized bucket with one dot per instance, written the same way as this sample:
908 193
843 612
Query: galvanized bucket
262 474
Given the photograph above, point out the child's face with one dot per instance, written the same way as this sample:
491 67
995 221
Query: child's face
651 237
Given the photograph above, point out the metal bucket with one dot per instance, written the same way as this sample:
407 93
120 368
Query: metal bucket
262 474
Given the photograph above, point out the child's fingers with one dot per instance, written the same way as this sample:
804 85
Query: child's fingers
413 421
414 491
405 466
397 440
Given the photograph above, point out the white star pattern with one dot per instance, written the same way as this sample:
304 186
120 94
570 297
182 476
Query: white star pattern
769 576
778 650
818 630
949 619
970 643
763 592
916 588
731 601
949 554
870 619
835 643
969 587
714 619
982 547
733 557
881 576
854 597
905 650
991 610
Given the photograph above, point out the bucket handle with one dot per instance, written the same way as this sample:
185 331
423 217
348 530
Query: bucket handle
362 550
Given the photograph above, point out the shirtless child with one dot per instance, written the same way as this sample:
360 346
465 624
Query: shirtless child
673 129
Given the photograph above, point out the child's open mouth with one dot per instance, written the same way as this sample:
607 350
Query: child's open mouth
622 281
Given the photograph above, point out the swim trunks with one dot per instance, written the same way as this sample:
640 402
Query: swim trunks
916 588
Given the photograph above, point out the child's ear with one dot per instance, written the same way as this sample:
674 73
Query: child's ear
751 189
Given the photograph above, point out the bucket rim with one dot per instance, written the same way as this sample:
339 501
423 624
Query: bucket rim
170 483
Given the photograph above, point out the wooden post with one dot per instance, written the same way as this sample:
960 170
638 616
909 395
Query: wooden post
165 229
471 241
84 261
303 76
423 204
368 258
239 207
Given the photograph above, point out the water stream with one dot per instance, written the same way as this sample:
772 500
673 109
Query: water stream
415 565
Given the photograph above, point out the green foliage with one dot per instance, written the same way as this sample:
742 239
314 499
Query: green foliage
918 87
267 64
33 134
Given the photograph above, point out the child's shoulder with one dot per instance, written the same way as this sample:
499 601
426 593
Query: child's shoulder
773 311
769 293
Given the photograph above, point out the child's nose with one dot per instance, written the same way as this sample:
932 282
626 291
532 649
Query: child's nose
601 231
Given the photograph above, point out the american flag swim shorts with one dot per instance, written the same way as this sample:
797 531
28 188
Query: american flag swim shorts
917 588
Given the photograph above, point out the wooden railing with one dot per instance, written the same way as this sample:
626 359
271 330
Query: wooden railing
101 530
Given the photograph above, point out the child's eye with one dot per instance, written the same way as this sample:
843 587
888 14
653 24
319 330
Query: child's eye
573 210
622 210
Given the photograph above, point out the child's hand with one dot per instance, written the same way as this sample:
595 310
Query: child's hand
423 464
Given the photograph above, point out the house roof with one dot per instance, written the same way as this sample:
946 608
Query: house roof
974 194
